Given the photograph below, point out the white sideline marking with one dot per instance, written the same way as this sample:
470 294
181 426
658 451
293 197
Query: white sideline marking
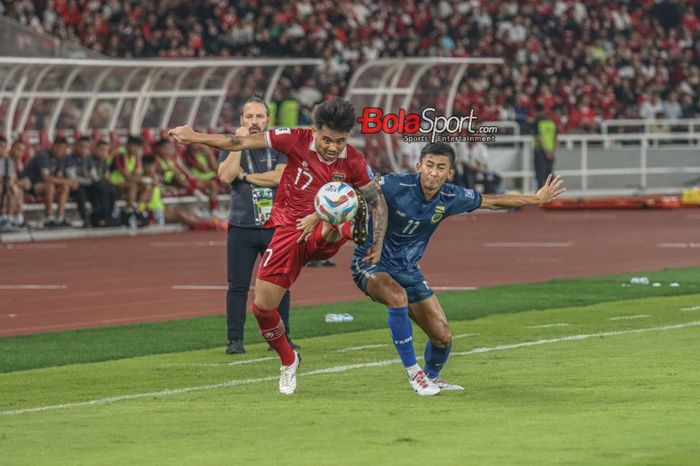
36 246
186 244
358 348
535 244
338 369
464 335
221 364
33 287
562 324
690 309
678 245
454 288
638 316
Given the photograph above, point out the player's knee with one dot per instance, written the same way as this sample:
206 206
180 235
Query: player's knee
443 338
396 296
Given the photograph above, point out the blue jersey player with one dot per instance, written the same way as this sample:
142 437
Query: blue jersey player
417 203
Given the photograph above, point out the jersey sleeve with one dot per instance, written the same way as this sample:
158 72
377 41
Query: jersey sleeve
389 184
362 173
465 200
223 155
283 139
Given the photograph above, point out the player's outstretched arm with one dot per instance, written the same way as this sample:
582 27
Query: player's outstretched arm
380 215
229 142
546 194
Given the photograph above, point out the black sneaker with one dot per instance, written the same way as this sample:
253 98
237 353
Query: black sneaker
51 223
359 227
235 347
63 223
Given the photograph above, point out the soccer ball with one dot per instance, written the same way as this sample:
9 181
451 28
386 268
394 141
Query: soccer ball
335 202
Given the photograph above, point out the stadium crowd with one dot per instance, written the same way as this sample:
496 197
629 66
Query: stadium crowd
95 175
584 61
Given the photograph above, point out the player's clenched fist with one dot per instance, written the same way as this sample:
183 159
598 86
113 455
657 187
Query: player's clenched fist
182 134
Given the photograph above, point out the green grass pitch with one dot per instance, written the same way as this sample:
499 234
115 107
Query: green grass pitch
609 382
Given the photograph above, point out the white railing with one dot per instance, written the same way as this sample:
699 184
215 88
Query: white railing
650 126
67 94
637 164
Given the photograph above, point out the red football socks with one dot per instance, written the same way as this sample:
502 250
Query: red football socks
272 330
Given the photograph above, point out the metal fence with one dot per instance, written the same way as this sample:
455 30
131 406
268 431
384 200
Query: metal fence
64 95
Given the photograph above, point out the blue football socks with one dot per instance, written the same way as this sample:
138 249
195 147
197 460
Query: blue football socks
402 335
435 358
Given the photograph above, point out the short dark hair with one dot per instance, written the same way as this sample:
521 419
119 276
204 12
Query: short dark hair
438 148
60 140
337 114
84 139
162 141
148 160
3 138
136 140
102 142
256 98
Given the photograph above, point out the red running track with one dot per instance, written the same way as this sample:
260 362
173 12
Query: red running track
123 280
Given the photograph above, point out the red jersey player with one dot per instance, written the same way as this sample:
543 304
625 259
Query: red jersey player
315 157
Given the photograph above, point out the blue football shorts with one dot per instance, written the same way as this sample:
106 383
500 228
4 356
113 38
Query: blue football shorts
412 281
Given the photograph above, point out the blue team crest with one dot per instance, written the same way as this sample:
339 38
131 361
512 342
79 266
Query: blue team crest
370 172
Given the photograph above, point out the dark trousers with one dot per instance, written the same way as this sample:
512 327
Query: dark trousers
244 245
102 197
543 167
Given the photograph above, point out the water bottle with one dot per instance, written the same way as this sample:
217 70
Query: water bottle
339 318
639 281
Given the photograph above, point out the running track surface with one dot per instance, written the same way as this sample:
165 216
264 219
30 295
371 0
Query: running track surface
124 280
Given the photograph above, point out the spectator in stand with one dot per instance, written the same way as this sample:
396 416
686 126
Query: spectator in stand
47 172
201 162
545 143
81 164
638 47
18 154
473 158
126 173
688 109
105 192
177 179
91 172
8 185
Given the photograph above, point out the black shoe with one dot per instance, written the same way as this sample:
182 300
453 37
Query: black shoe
50 224
359 227
235 347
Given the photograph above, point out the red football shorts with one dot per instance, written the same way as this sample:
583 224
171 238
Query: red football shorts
284 258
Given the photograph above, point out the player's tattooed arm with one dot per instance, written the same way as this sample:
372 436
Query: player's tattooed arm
229 142
380 215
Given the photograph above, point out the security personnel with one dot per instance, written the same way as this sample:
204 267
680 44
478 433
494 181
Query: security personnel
254 176
545 145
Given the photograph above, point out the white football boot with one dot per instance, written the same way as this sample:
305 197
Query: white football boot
445 385
288 376
422 384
